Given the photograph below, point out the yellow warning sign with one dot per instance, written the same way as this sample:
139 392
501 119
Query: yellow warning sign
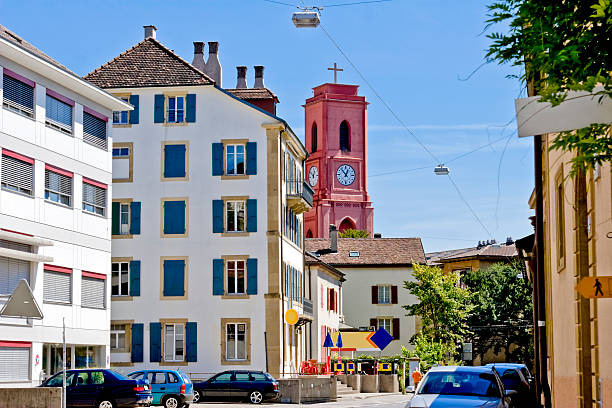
594 287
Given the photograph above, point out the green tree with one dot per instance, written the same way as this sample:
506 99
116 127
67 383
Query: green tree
566 46
443 306
354 233
501 313
431 352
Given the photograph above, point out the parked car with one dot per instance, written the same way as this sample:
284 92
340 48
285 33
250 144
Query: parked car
101 388
513 379
170 388
254 386
524 370
465 387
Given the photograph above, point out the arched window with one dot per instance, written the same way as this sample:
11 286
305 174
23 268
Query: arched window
309 234
313 138
346 223
345 142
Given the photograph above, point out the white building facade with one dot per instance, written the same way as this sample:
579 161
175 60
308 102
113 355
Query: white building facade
54 213
207 204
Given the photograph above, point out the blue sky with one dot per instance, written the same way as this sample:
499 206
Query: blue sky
415 53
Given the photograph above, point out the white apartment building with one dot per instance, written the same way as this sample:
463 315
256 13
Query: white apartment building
54 213
207 250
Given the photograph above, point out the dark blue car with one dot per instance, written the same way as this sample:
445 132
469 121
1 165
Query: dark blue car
101 388
252 386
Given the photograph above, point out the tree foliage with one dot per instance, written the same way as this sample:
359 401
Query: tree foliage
566 46
354 233
431 352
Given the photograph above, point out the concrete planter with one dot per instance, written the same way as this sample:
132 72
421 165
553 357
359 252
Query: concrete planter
341 378
388 383
369 383
354 381
307 389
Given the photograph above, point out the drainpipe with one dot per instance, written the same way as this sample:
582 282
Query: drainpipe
280 208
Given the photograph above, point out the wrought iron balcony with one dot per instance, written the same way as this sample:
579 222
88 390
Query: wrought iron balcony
299 196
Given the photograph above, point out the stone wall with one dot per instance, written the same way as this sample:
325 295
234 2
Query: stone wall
30 397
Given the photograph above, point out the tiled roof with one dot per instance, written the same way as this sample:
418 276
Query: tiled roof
371 251
10 36
147 64
253 93
489 251
433 258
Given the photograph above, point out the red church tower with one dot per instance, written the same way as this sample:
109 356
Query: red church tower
335 134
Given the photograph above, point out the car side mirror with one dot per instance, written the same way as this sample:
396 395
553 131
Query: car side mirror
511 393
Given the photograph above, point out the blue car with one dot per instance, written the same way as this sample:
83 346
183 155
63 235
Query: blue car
513 377
170 388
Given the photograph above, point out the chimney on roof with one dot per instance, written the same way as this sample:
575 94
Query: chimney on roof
333 241
259 82
377 235
509 241
198 55
150 31
213 66
242 81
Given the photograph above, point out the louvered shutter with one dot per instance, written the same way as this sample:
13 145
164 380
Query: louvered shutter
158 113
155 342
374 295
191 108
15 364
58 183
12 271
251 265
134 114
217 207
115 208
191 334
93 292
57 287
94 130
218 269
174 217
396 328
251 209
174 277
135 217
174 160
374 323
134 278
394 295
137 343
59 113
217 159
18 95
251 158
17 175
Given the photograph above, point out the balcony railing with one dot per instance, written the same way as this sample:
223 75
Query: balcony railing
299 196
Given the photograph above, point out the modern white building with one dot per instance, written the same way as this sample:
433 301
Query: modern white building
375 270
54 212
207 217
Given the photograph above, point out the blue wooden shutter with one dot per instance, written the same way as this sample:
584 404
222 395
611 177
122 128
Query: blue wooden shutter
155 342
174 217
251 209
251 158
217 159
134 117
218 215
134 278
251 265
218 268
191 108
137 342
191 329
158 114
174 277
134 217
174 160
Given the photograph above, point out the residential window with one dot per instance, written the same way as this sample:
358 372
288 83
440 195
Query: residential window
175 162
94 197
59 113
176 109
12 271
121 152
175 217
57 284
235 278
117 337
174 342
93 293
94 129
384 294
174 277
18 96
123 164
17 173
58 186
235 342
124 219
121 117
385 323
120 278
235 216
234 159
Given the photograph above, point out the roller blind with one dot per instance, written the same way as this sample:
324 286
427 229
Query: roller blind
18 95
57 287
15 364
95 196
59 113
94 130
17 175
11 272
92 292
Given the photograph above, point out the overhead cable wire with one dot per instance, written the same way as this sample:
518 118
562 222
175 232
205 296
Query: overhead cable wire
354 3
280 2
468 205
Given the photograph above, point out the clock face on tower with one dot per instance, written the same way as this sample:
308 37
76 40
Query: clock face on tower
345 175
313 176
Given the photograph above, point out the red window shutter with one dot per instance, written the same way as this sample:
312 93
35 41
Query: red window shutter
336 300
396 328
394 295
328 300
322 297
332 304
374 295
373 323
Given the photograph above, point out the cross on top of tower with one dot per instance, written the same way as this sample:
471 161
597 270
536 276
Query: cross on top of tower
336 70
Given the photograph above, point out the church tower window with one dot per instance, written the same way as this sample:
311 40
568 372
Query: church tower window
345 143
313 138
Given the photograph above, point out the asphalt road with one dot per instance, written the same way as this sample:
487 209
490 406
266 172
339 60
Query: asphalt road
349 401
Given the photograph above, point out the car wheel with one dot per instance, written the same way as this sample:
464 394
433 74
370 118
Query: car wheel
196 396
255 397
105 404
171 402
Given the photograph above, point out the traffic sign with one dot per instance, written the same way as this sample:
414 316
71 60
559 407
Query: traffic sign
381 338
594 287
22 303
291 316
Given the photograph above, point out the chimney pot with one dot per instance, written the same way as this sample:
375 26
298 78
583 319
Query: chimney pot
149 31
509 241
333 235
213 66
198 55
259 77
242 82
213 47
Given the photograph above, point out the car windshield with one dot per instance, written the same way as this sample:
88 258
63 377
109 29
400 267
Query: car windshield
460 383
57 380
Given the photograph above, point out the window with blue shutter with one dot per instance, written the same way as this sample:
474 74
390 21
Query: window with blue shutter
134 278
251 209
191 329
251 158
174 160
158 112
58 114
174 277
137 342
218 269
134 114
155 342
134 217
191 108
174 217
251 266
18 96
217 216
217 159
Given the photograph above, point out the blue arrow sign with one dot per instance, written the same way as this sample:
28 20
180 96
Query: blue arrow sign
381 338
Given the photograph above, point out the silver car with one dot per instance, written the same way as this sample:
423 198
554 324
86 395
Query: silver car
461 387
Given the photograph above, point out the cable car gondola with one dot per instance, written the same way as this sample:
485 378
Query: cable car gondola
306 19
